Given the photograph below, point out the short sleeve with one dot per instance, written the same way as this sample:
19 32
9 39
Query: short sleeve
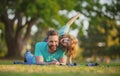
38 50
63 30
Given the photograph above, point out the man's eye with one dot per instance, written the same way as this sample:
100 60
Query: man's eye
51 41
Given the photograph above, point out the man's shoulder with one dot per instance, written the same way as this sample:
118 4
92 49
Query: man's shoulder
41 43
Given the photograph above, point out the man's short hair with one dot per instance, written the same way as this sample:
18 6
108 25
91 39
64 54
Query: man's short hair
52 33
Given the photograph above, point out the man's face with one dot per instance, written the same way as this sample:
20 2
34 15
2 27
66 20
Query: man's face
65 42
53 42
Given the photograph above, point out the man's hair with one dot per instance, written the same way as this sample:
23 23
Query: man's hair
52 33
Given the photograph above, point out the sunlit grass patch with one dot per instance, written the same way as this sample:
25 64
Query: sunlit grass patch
53 70
58 69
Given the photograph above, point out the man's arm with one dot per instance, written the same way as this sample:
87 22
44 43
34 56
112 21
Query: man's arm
40 60
72 19
61 61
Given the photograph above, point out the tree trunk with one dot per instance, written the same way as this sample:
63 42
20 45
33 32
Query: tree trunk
14 44
14 49
15 39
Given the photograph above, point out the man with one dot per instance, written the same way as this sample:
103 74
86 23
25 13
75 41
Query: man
48 52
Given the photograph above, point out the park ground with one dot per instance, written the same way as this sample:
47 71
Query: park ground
7 68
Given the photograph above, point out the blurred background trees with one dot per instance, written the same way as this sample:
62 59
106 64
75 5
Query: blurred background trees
24 22
103 30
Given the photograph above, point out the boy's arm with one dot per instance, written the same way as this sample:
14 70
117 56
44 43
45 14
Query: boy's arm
70 60
72 19
65 29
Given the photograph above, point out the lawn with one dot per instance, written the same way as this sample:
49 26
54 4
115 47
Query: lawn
7 68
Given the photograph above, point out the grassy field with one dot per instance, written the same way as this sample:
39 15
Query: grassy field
7 68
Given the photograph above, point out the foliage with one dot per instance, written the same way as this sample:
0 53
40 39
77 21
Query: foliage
102 21
113 51
3 48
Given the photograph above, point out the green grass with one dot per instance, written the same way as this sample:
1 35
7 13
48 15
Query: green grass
7 68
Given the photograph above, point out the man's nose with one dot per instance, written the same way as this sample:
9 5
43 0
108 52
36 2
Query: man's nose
54 43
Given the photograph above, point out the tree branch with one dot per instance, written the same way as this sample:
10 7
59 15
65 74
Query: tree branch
19 28
29 26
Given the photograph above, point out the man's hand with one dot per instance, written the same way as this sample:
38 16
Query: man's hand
55 62
63 60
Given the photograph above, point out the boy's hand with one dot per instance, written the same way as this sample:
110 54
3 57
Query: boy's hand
70 22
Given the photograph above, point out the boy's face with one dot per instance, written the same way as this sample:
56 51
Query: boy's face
53 42
65 42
